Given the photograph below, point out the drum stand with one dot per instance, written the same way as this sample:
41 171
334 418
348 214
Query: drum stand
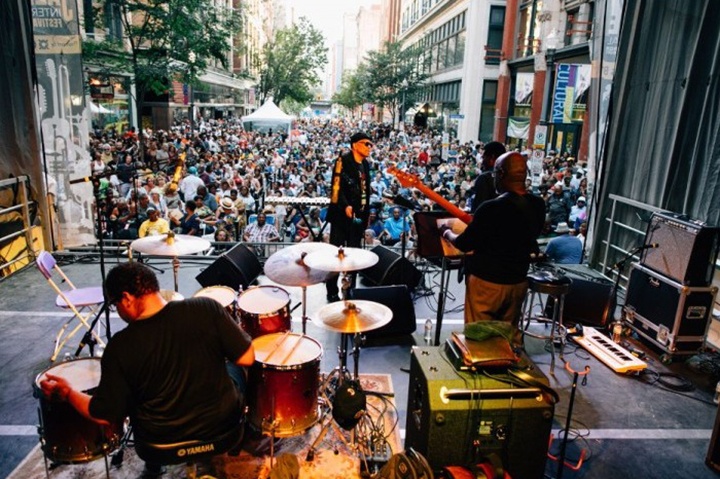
331 384
304 309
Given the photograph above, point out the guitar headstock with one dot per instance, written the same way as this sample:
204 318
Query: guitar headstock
407 180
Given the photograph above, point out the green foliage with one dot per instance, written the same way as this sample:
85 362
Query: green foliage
391 74
351 92
385 77
292 63
159 37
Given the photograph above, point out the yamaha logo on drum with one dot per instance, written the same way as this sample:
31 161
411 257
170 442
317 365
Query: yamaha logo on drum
191 451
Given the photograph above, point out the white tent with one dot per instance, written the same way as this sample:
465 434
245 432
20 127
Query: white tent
97 108
266 117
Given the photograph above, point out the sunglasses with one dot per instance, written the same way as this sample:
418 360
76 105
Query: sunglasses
366 143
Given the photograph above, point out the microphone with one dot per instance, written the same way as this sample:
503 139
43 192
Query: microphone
400 200
649 246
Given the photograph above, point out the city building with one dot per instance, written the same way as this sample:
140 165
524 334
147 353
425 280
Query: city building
545 79
462 39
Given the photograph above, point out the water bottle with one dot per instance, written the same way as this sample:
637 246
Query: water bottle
427 336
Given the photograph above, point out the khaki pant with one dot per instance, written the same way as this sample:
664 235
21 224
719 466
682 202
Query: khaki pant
491 301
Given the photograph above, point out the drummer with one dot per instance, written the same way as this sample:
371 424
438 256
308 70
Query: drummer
167 369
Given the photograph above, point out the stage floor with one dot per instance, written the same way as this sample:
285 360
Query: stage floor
631 426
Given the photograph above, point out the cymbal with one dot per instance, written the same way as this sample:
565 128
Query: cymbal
287 266
342 260
354 316
170 244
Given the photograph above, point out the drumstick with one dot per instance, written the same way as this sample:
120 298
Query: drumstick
277 346
297 343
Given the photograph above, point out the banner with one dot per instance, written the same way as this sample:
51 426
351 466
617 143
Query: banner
64 117
518 128
524 89
572 82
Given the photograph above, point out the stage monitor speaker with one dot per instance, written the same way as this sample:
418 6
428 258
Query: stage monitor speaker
590 300
686 249
399 300
456 417
238 267
391 269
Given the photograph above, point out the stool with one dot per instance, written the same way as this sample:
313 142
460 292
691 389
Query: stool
189 452
546 282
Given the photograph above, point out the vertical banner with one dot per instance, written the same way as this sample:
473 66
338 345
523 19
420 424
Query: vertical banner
562 83
571 87
64 117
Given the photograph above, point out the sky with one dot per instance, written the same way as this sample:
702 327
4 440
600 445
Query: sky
327 15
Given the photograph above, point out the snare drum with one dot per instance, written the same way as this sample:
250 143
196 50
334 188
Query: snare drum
67 436
222 294
264 310
283 383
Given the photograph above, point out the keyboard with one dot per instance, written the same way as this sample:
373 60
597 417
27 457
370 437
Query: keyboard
297 200
611 354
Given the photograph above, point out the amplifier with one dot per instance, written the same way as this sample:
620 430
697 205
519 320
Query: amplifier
590 301
686 249
669 315
457 417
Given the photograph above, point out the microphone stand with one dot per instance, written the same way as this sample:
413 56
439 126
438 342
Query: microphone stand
620 267
88 337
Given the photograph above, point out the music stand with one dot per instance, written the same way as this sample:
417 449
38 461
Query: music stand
433 248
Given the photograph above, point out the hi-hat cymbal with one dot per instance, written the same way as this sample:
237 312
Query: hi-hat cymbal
342 260
170 245
288 267
355 316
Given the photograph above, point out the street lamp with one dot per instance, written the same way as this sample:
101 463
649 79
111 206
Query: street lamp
550 43
191 60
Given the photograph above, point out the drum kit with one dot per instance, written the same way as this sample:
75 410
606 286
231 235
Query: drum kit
282 406
287 395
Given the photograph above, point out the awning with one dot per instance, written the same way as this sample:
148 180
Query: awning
95 108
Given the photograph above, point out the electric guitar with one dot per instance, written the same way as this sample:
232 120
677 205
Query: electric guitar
408 180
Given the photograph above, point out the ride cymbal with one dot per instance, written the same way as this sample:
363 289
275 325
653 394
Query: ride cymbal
170 244
288 267
342 260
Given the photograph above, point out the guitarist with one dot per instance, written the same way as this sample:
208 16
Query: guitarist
349 200
502 234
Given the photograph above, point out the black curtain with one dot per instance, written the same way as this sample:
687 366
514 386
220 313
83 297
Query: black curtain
663 143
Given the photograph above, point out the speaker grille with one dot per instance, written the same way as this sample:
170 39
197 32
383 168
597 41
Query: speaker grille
390 269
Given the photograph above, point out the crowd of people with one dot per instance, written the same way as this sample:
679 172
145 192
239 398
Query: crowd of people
216 180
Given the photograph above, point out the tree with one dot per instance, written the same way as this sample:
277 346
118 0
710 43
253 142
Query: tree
393 74
292 63
161 41
351 93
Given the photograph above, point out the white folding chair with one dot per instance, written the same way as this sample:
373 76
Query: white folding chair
83 302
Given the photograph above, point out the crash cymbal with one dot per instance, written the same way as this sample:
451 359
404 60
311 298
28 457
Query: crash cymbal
342 260
354 316
170 244
288 267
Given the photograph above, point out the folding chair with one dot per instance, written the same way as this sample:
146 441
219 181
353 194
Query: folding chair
84 302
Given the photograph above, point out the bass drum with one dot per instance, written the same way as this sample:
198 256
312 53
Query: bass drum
283 384
67 436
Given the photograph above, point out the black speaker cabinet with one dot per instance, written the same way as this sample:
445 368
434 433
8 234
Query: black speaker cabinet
671 316
237 267
712 460
590 300
455 418
391 269
399 300
686 250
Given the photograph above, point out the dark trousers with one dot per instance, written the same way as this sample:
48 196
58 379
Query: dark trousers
344 233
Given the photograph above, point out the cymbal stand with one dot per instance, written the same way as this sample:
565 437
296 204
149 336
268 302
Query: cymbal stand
304 309
176 269
328 389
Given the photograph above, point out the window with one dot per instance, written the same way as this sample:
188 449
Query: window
487 111
495 35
